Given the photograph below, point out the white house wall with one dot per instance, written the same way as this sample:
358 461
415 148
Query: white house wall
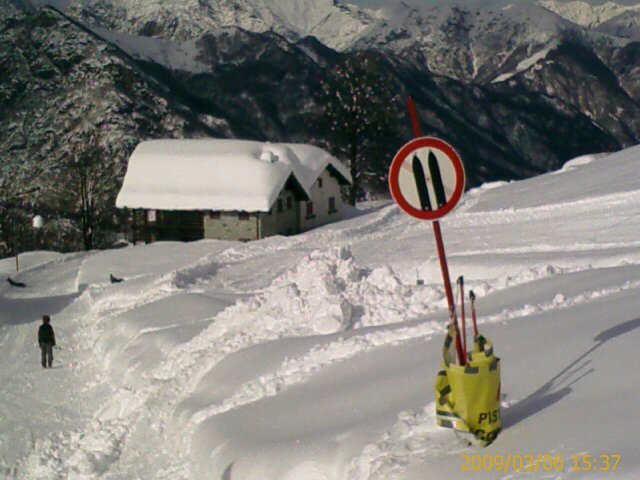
285 222
320 198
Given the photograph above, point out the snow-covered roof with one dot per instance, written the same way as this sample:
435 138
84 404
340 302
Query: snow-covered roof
220 174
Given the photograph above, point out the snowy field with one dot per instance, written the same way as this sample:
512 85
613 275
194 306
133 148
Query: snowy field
313 357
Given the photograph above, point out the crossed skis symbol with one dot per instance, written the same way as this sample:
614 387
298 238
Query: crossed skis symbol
436 181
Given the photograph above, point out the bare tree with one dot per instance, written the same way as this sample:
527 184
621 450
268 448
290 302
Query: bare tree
85 189
15 215
360 105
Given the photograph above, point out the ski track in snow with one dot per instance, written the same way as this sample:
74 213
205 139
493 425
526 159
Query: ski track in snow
414 435
96 449
542 248
300 369
559 302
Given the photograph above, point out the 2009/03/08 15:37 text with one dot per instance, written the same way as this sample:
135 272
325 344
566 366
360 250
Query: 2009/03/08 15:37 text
539 463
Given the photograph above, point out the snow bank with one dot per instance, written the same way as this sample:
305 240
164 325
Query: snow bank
609 178
327 292
580 161
26 261
147 260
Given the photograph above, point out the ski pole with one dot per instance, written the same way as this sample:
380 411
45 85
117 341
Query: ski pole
476 335
462 320
472 297
454 320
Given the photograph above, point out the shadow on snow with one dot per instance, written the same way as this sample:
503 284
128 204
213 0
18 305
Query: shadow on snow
561 385
15 311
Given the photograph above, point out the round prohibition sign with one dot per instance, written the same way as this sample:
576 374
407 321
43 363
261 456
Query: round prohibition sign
426 178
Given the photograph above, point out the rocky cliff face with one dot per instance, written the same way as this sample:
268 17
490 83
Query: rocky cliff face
61 88
517 89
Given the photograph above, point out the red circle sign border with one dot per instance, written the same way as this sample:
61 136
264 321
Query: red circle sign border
394 172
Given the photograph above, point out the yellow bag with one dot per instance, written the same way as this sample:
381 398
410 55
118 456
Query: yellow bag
468 397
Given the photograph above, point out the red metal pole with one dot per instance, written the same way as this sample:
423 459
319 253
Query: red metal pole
413 113
444 268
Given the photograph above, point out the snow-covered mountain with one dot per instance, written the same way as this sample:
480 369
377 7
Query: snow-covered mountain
460 39
586 14
477 42
516 87
625 25
471 43
335 24
314 357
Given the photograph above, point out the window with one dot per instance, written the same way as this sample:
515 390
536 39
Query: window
214 215
319 183
309 209
280 205
243 215
289 203
332 204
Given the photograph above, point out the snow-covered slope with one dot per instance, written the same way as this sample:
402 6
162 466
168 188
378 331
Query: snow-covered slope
625 25
313 357
586 14
334 23
470 42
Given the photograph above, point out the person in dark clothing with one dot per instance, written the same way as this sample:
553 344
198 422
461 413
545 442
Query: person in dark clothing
47 340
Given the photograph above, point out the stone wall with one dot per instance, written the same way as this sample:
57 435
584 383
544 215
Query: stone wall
284 217
230 226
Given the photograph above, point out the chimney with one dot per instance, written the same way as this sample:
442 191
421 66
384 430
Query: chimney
268 156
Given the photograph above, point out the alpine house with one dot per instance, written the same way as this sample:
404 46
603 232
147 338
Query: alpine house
229 189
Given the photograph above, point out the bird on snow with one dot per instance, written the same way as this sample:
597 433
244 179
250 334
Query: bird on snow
115 279
13 283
